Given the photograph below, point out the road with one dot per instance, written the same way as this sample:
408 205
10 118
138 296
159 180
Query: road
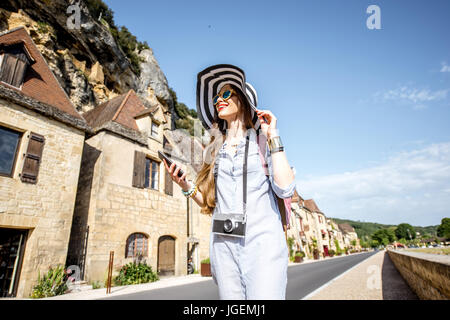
302 280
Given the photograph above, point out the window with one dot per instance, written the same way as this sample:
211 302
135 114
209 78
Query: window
9 143
14 65
155 128
151 174
137 244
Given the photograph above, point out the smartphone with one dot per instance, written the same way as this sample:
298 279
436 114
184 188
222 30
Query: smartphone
162 156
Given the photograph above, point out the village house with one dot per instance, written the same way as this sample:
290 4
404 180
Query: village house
321 236
41 142
126 202
350 236
300 227
336 236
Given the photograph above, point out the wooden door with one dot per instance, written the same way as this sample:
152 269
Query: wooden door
12 243
166 255
325 249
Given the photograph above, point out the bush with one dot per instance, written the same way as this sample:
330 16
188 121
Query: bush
331 252
96 285
52 284
290 242
133 273
205 260
300 254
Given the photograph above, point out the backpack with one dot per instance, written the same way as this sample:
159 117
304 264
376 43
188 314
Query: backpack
284 205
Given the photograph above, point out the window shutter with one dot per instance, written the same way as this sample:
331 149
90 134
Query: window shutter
33 158
19 74
139 169
8 67
168 182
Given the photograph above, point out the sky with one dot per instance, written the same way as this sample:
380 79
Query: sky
363 113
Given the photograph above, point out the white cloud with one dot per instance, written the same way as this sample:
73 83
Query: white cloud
445 67
409 187
415 96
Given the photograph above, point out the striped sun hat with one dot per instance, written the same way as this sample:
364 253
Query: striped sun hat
209 83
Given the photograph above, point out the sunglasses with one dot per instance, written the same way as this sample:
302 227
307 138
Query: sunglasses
225 96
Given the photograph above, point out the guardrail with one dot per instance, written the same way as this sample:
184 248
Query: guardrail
427 274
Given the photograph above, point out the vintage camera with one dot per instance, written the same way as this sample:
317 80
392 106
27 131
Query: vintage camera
229 224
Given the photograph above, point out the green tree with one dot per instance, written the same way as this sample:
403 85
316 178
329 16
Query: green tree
444 229
406 231
186 115
374 243
338 248
384 236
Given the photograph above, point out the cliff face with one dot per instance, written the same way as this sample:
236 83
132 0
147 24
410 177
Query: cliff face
86 60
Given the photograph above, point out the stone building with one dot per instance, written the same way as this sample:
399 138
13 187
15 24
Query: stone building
336 236
300 228
126 202
322 236
41 143
350 235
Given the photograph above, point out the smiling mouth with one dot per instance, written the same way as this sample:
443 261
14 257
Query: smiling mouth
221 106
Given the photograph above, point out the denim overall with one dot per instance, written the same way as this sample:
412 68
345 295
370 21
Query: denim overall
254 267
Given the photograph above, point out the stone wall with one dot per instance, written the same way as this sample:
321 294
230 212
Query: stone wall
45 208
427 274
114 209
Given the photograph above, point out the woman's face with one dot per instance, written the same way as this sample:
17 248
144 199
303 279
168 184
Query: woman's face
228 109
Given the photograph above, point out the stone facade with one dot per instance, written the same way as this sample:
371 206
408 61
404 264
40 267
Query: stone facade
114 209
110 207
44 209
309 226
37 193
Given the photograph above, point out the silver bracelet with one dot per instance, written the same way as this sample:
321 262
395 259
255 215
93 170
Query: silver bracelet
275 144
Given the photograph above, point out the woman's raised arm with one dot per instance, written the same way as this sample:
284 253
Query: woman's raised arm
182 182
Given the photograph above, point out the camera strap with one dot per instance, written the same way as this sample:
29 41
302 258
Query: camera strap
244 175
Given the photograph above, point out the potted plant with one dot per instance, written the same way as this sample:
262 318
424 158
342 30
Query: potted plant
315 250
205 269
331 253
299 255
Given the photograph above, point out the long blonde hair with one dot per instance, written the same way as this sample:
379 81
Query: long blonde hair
205 178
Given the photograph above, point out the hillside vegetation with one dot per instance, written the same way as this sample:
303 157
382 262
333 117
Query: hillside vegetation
367 229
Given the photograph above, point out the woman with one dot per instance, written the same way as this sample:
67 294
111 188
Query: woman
253 266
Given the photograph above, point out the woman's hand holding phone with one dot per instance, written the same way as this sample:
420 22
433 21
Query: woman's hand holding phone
173 171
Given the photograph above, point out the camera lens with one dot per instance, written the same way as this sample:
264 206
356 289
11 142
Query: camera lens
228 225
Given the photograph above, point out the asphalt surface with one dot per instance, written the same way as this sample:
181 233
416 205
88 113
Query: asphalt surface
302 280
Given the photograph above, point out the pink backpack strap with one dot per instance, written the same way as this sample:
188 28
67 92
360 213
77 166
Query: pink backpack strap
261 139
287 204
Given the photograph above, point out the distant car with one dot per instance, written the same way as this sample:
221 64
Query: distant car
423 246
430 246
